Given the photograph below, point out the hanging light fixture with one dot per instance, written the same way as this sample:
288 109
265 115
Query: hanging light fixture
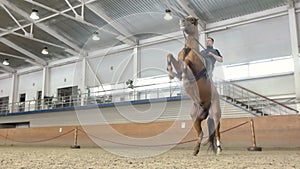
45 51
34 14
168 16
96 36
5 62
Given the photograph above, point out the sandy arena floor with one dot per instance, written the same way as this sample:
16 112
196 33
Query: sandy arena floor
95 158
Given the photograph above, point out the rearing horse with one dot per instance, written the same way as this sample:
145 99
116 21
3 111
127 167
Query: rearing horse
190 67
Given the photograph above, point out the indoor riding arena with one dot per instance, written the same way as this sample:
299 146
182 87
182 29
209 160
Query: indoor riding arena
150 84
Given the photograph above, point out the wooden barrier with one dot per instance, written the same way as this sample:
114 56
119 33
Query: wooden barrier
273 131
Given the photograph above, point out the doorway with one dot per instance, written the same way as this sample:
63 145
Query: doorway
22 99
39 100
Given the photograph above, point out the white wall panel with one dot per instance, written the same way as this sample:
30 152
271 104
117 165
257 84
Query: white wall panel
154 57
148 112
298 24
5 87
255 41
65 76
273 86
140 113
30 84
111 68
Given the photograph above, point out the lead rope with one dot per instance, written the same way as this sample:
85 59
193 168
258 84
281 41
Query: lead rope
199 43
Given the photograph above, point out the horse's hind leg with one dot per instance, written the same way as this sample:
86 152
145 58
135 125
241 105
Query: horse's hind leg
216 115
218 137
197 127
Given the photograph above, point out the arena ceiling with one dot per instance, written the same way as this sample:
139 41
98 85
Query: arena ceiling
65 26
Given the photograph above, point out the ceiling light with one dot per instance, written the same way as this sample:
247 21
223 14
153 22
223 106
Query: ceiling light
5 62
168 16
45 51
34 14
96 36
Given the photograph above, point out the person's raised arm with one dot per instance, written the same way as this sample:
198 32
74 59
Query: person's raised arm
217 57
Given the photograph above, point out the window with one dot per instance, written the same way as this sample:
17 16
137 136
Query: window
67 96
260 68
236 72
39 100
22 100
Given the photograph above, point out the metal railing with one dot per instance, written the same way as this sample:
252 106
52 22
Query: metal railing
237 95
150 91
251 101
47 103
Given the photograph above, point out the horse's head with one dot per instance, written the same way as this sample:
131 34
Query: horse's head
189 25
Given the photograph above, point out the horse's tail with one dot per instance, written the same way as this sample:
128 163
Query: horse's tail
211 132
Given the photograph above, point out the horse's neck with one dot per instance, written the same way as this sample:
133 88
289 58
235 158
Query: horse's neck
192 42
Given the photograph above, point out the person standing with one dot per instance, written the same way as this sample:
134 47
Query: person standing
211 55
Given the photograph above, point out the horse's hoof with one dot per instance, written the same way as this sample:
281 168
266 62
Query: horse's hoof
171 78
171 75
196 151
219 150
179 78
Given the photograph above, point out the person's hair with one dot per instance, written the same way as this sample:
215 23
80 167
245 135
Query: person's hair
211 39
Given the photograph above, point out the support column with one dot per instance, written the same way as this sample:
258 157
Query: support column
45 87
295 50
83 86
136 63
136 67
13 92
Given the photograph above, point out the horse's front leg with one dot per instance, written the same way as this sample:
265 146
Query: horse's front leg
187 75
177 65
